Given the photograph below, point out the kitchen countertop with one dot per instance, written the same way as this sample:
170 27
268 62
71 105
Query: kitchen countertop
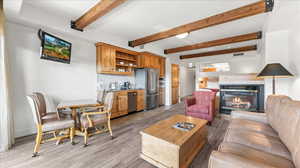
125 90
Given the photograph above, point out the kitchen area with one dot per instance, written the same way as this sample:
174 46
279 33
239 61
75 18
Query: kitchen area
136 78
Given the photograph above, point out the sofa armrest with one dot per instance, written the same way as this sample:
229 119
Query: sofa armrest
221 159
255 116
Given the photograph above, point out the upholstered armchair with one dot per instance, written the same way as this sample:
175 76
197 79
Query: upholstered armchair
98 117
48 123
201 105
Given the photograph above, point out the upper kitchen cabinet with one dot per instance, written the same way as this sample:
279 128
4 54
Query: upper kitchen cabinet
115 60
150 60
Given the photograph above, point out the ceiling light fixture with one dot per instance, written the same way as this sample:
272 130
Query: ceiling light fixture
182 36
190 65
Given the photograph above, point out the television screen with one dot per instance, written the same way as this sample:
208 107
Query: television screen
55 49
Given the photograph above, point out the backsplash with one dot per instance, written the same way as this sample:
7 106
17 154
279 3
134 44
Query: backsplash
103 80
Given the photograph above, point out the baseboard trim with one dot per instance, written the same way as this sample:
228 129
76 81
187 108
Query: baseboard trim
24 132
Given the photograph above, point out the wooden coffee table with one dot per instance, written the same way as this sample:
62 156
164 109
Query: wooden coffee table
166 147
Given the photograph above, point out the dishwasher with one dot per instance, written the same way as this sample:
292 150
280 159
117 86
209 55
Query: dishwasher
132 98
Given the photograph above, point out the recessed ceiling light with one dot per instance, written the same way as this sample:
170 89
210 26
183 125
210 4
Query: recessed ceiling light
182 36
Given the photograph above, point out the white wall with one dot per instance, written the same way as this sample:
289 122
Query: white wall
248 63
103 80
277 51
60 81
29 73
282 43
187 78
294 55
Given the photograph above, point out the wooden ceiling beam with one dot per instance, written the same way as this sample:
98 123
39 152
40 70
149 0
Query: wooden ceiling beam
219 52
235 14
229 40
100 9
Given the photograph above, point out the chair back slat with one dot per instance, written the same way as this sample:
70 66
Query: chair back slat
32 100
108 101
41 104
101 95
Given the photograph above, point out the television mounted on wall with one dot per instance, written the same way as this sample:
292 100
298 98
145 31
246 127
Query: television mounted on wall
54 48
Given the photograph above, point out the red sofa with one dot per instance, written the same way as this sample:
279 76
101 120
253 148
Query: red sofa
201 105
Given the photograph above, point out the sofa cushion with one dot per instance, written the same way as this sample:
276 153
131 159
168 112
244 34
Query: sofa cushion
258 141
275 105
289 131
251 125
198 108
296 158
255 155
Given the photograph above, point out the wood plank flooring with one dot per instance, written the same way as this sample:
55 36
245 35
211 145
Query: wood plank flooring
102 152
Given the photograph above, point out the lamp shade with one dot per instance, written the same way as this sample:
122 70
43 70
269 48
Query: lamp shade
272 70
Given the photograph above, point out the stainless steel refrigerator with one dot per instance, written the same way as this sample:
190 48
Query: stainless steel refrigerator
148 79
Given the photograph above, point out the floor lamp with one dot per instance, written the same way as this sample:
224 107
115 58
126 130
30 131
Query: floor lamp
274 70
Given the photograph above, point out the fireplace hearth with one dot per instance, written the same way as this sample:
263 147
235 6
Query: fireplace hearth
241 97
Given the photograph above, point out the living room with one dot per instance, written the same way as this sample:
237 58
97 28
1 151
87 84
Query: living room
132 89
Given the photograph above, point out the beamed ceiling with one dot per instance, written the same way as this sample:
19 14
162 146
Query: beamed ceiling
138 18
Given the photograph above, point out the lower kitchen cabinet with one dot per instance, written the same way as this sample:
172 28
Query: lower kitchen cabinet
120 104
140 104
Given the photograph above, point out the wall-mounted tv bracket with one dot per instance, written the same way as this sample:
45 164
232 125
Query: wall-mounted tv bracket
40 34
73 26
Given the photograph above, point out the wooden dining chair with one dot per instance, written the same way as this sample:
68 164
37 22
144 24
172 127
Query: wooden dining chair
48 123
99 117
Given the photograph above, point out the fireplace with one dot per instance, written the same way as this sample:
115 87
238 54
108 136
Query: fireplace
241 97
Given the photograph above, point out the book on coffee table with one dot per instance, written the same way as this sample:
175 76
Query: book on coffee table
184 126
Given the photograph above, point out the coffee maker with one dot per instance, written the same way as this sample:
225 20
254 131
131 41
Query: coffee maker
126 86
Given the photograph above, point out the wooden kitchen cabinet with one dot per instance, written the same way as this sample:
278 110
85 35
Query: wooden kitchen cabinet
175 83
161 96
140 104
122 103
149 60
162 70
114 110
115 60
106 59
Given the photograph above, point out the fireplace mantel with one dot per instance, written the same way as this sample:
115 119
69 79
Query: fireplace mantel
240 79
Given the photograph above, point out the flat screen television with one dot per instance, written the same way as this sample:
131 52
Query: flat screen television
54 48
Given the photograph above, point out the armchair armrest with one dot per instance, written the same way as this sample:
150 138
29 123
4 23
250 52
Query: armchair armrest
94 113
221 159
88 114
188 101
255 116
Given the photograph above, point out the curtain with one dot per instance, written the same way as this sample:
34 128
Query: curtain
6 117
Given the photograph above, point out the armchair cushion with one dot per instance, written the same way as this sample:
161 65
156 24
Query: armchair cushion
96 120
199 109
57 124
51 116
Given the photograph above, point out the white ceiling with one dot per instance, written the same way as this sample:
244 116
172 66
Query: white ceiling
138 18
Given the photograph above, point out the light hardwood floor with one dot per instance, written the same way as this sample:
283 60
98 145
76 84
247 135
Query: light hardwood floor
102 152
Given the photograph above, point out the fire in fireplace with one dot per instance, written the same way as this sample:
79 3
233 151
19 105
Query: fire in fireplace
241 97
